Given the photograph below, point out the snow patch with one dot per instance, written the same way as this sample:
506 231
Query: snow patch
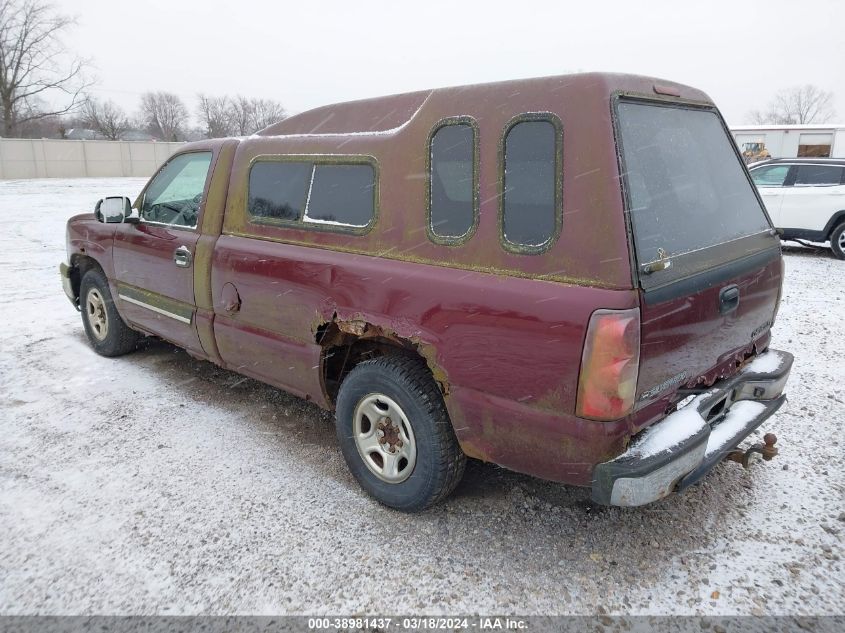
668 433
738 416
766 363
387 132
332 222
198 507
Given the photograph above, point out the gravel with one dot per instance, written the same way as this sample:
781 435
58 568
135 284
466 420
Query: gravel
156 483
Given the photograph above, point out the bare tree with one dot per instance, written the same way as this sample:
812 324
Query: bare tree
164 115
42 127
215 115
241 112
266 112
107 118
251 115
34 66
757 117
797 105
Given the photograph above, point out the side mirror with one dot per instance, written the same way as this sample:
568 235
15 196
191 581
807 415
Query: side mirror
113 210
132 217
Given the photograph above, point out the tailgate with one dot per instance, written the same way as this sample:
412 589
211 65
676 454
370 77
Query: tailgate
696 330
708 260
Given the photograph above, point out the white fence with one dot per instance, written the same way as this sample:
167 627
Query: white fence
48 158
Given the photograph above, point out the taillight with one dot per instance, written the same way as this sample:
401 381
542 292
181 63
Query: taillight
780 289
610 364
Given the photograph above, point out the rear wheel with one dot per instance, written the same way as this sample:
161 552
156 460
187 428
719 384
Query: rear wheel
837 241
395 433
108 333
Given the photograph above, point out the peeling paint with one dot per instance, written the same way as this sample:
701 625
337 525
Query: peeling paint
356 327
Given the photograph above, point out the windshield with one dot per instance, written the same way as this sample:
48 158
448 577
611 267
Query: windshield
687 188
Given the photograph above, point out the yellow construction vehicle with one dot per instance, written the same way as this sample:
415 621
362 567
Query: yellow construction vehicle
754 151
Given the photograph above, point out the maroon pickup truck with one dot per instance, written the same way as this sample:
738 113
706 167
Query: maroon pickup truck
572 277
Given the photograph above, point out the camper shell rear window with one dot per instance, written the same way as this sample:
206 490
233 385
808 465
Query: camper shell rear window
686 187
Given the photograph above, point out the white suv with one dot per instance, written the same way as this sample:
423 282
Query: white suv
805 198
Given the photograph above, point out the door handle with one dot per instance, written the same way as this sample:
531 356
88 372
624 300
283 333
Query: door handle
728 299
183 257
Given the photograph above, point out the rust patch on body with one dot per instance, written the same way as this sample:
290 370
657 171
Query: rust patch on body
357 339
356 327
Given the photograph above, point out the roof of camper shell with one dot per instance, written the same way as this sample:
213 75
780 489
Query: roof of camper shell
389 114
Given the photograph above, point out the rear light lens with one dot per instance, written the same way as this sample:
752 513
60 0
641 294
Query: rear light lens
780 289
610 365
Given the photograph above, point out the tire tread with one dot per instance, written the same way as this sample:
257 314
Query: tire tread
834 241
416 377
121 338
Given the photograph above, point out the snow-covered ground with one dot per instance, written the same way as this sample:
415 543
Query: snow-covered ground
155 483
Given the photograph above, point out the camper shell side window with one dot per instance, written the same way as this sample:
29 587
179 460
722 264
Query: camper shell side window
452 180
531 177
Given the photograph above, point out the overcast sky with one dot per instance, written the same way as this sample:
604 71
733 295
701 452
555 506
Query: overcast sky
306 54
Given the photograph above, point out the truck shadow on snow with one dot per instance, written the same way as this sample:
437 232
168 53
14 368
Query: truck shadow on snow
494 497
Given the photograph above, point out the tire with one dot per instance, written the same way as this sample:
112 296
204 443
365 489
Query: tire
107 332
388 388
837 241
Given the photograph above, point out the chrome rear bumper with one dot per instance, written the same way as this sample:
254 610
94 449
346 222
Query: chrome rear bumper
679 450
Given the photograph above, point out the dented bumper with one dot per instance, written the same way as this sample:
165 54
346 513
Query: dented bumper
679 450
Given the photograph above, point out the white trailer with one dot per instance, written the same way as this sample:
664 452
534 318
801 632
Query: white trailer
792 141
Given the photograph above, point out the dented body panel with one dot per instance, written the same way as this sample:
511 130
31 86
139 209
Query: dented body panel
495 341
502 331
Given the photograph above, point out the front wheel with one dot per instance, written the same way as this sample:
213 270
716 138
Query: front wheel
108 333
837 241
395 433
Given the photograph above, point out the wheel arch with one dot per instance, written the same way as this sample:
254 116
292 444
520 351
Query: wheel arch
346 343
81 263
835 220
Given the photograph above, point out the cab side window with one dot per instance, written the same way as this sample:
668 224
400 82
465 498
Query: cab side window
817 175
770 175
174 196
531 187
452 185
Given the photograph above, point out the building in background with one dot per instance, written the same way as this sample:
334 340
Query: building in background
757 142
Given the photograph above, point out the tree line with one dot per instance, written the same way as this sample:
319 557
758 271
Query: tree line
164 116
160 116
46 92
